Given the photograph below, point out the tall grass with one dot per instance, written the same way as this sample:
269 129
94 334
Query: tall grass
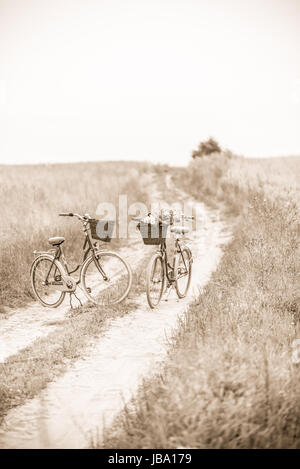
229 381
31 198
209 179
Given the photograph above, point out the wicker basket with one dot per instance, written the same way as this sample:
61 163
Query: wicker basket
155 233
102 229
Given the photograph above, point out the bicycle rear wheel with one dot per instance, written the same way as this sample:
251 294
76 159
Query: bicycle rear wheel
155 280
46 279
183 272
106 280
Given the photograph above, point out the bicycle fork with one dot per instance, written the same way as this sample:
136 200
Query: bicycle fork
99 267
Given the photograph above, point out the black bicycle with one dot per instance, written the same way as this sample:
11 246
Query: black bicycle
104 276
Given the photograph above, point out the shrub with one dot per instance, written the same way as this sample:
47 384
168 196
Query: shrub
207 147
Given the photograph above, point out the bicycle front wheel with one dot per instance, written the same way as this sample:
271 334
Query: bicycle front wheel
155 280
106 279
46 281
183 272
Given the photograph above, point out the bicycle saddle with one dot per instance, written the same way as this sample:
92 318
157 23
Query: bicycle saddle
56 241
179 229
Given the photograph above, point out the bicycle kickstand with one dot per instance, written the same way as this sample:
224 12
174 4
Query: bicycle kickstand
168 291
72 293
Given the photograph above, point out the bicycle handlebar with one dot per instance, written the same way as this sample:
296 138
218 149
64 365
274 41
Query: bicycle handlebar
84 217
175 216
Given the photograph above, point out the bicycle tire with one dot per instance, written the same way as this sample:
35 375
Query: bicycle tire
160 279
91 280
33 271
179 256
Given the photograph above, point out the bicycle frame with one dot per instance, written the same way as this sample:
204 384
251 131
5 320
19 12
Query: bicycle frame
88 246
163 252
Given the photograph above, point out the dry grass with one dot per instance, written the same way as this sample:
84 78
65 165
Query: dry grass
209 179
277 177
31 198
229 381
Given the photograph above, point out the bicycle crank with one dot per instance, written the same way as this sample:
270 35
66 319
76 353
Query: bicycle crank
65 284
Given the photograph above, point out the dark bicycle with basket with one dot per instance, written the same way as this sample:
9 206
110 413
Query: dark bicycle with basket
160 272
104 276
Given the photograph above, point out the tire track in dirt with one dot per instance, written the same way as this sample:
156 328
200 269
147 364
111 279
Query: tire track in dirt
77 406
35 321
24 325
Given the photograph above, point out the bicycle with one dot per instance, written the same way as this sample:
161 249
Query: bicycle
104 276
160 273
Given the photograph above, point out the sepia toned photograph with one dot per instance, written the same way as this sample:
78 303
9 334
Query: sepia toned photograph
150 227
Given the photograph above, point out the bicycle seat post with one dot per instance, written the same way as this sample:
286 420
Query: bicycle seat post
62 255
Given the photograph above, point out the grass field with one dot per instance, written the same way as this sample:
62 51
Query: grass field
31 198
230 381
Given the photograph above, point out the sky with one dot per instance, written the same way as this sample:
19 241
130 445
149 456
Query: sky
84 80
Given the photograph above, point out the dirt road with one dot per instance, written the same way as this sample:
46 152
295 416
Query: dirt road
75 408
20 327
27 324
